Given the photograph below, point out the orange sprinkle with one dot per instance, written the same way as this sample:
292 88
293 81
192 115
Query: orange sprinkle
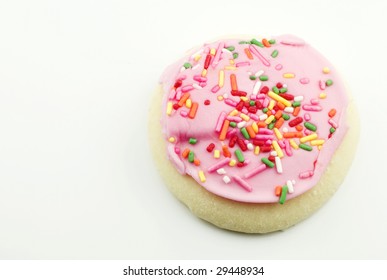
226 152
332 113
279 123
193 110
281 105
183 99
296 111
266 43
278 190
233 81
299 127
223 132
196 162
185 153
269 113
292 134
278 114
248 53
250 131
261 124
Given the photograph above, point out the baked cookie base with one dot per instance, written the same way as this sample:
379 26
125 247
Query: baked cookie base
250 217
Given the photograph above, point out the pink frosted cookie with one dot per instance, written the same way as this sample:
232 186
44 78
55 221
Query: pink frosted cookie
256 134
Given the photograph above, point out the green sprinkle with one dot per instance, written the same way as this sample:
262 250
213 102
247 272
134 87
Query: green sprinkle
265 110
263 78
275 90
191 156
239 155
233 124
187 65
305 147
235 55
267 162
332 130
252 103
271 41
283 90
192 141
257 43
285 116
244 42
274 54
271 125
252 77
283 194
245 133
296 104
231 48
310 126
329 82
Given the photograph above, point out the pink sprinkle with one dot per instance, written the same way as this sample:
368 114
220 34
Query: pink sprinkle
265 131
261 96
184 113
264 137
253 97
215 89
288 150
216 59
218 165
242 183
307 117
255 51
321 84
178 94
314 101
220 121
266 102
307 132
172 94
244 111
278 67
231 133
281 144
233 119
255 171
306 174
254 117
202 84
240 64
314 108
187 88
230 102
177 150
304 81
268 142
333 123
199 78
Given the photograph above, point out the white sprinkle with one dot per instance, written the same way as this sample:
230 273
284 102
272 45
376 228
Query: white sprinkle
226 51
259 73
241 124
196 86
196 66
257 86
278 164
299 98
285 85
285 129
221 171
226 179
197 53
250 146
182 69
263 117
290 186
289 109
249 73
225 95
273 153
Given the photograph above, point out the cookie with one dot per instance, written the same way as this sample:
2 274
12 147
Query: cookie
253 135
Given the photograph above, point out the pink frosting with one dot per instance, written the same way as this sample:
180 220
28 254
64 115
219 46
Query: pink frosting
299 68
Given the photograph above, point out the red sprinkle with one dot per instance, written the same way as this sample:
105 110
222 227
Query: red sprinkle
233 141
279 85
258 142
207 102
240 164
210 147
207 61
264 90
178 83
271 158
176 106
240 106
252 109
287 96
242 144
258 104
265 149
238 93
295 122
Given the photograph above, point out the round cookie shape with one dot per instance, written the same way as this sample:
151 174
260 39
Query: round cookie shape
253 121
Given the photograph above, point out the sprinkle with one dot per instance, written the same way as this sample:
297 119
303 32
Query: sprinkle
296 111
252 77
322 95
332 130
196 162
293 144
257 43
233 82
333 123
263 78
210 147
274 54
226 179
245 133
329 83
278 165
255 171
223 132
332 113
193 110
289 75
310 126
241 124
187 88
306 174
288 150
278 67
326 70
283 194
295 122
308 138
299 98
278 190
257 86
169 108
192 141
256 150
296 104
305 147
250 146
191 156
232 162
201 176
317 142
266 43
322 85
219 123
269 119
244 117
248 53
255 51
171 139
267 162
221 78
314 108
219 165
272 41
187 65
185 153
239 155
277 148
290 186
188 103
279 123
277 133
216 154
304 81
251 131
242 183
278 98
235 55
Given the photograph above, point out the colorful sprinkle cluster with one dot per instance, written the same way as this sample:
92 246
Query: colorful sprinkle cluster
269 120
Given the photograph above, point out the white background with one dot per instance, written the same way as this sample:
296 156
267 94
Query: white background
77 180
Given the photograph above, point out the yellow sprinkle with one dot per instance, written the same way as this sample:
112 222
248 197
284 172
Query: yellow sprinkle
201 176
277 148
278 133
255 127
326 70
213 51
232 162
188 103
230 68
269 119
243 98
289 75
279 99
271 104
171 139
308 138
204 72
232 62
169 108
234 113
197 57
317 142
216 154
319 147
293 144
244 117
220 97
322 95
256 150
221 78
